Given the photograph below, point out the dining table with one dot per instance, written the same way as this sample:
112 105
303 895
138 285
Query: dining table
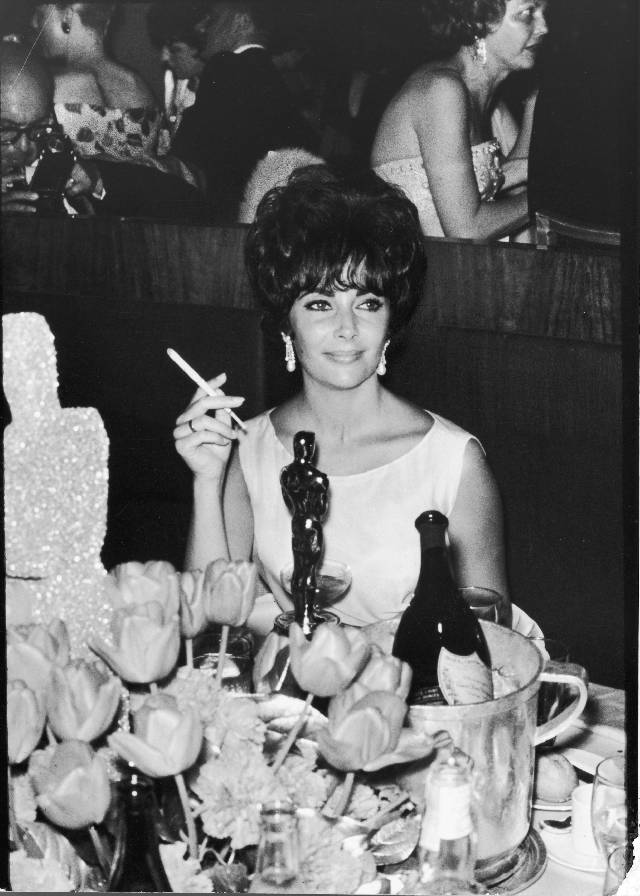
600 730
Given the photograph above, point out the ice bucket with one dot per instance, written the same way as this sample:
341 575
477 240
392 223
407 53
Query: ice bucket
500 736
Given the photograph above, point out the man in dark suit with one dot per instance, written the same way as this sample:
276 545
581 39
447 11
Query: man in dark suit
90 186
242 109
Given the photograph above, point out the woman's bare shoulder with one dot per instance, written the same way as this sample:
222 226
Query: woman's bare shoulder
77 87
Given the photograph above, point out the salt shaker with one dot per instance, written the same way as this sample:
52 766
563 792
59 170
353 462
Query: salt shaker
447 846
277 859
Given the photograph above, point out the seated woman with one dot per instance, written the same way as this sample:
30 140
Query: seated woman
435 139
105 108
339 263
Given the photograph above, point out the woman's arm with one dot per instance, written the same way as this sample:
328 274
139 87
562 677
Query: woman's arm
476 530
440 118
516 165
204 442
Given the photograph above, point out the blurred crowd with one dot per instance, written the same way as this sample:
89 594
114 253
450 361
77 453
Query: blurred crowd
438 97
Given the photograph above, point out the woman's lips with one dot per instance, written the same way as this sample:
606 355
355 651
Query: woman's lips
344 357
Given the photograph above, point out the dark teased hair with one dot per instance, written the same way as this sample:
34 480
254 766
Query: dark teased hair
324 232
168 22
452 24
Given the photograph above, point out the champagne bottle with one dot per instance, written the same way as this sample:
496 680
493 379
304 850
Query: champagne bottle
438 634
137 865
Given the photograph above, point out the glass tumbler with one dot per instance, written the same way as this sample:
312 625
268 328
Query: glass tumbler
277 859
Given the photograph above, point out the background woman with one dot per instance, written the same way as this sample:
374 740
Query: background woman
105 108
339 264
436 140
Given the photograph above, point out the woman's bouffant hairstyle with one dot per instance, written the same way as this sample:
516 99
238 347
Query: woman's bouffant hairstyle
452 24
324 232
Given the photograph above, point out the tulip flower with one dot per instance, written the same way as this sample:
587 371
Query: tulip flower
71 784
25 721
330 660
229 591
368 735
139 583
28 664
82 700
145 643
18 602
192 616
265 661
52 640
166 741
384 672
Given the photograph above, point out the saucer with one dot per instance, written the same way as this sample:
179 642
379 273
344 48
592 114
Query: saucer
560 849
543 806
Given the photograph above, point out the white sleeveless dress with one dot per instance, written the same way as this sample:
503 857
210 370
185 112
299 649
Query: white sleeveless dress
410 176
370 523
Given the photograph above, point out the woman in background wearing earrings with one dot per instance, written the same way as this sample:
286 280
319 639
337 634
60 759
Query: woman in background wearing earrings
445 138
105 108
338 264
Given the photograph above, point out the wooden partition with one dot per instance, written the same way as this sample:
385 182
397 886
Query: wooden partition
521 347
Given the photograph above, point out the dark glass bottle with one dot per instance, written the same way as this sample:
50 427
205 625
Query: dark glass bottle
137 866
438 633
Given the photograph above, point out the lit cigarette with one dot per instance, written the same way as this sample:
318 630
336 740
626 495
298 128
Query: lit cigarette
197 379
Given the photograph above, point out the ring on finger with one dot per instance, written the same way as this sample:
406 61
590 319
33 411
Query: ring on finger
191 426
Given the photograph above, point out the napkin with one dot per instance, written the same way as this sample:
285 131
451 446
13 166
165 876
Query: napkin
524 624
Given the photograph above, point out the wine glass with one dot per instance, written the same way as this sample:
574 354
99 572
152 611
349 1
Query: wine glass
609 805
333 580
484 602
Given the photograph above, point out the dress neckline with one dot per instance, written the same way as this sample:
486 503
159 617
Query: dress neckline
373 470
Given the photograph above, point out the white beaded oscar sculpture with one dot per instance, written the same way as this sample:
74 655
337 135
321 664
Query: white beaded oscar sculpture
56 481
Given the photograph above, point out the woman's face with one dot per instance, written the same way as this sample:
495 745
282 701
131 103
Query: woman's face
338 339
514 42
46 24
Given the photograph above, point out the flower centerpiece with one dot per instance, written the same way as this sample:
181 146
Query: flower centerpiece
215 755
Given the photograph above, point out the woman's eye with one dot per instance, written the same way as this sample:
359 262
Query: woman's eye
317 305
372 303
527 14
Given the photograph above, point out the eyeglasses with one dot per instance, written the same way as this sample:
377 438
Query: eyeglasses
37 133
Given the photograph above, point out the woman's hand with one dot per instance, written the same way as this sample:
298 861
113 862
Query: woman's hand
202 440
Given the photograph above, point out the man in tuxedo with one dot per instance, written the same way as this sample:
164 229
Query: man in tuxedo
91 186
242 109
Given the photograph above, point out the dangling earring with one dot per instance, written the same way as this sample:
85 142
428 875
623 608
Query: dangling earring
66 27
381 369
289 355
479 50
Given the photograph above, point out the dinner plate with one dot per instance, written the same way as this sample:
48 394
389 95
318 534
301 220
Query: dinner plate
560 849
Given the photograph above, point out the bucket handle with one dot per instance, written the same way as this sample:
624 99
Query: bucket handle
576 677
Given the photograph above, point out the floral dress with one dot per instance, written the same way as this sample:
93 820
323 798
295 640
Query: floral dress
125 135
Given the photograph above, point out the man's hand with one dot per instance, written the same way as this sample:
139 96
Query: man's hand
17 201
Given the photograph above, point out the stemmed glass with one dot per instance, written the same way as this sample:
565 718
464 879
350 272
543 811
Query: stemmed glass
484 602
609 805
333 580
